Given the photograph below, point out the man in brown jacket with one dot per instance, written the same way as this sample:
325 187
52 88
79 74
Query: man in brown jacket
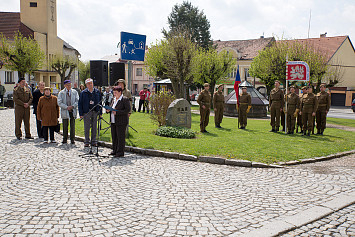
244 107
308 110
23 98
218 104
276 102
323 109
204 100
299 116
293 105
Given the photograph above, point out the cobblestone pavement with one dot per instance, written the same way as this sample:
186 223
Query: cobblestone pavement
49 189
341 223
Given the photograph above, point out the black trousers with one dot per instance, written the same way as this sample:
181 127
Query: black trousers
39 128
72 128
141 102
118 133
51 132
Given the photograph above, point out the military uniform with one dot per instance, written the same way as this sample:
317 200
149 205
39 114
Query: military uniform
218 104
309 105
20 97
204 99
276 102
299 116
293 105
323 108
244 106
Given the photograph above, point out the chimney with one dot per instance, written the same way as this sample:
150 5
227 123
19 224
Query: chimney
323 35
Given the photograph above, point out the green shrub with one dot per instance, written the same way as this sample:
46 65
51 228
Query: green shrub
175 132
159 103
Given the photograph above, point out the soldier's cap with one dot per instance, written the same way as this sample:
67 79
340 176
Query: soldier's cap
304 87
122 80
47 88
244 87
219 86
323 84
20 79
292 87
206 84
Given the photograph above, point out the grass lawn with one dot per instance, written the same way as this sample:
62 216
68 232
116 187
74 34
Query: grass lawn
343 122
255 143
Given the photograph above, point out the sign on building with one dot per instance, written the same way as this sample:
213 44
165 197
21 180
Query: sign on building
297 71
132 46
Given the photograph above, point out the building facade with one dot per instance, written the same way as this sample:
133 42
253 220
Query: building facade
37 19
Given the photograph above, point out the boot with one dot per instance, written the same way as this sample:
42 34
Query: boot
309 133
277 129
318 131
283 129
304 133
273 129
321 132
297 129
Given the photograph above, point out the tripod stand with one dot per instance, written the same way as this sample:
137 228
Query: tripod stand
91 153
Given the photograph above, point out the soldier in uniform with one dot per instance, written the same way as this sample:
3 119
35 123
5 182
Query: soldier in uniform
323 109
204 100
22 97
218 104
299 116
309 107
276 102
244 107
293 104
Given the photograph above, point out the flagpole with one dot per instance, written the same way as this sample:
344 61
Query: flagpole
286 96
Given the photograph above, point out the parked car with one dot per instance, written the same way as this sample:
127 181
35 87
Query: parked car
353 105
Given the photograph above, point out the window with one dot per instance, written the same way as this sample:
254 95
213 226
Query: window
9 77
33 4
139 72
246 73
232 74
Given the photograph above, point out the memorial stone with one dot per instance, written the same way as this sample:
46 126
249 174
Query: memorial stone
179 114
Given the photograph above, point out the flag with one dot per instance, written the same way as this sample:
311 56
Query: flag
236 85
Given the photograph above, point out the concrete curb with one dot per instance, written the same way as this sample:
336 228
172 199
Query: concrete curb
218 160
298 220
316 159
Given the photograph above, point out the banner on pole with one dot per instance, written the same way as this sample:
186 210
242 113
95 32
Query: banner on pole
297 71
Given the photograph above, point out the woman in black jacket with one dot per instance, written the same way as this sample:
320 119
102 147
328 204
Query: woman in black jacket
119 121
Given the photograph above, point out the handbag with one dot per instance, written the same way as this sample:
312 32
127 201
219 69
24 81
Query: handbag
57 128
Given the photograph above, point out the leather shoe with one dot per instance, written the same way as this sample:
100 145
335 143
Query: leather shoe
29 137
72 142
86 145
19 138
119 155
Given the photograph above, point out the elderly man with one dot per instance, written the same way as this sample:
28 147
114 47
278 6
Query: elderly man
22 97
68 100
89 98
38 93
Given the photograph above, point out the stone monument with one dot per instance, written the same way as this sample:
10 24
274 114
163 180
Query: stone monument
179 114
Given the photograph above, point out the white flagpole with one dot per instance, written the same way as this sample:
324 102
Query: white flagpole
286 97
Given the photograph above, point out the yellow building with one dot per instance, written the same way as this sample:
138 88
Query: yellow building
37 19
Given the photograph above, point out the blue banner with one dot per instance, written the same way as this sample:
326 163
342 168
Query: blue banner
132 46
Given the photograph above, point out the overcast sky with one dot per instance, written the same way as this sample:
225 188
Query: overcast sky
93 27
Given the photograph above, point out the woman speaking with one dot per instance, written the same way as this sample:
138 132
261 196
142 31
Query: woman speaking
119 121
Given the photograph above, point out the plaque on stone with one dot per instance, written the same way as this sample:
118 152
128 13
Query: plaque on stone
179 114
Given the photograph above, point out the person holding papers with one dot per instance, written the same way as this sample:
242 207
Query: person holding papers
120 108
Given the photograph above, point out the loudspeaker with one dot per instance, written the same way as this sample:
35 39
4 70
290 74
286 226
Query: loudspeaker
99 72
117 71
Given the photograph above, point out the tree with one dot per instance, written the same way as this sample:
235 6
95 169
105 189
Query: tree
189 18
270 64
172 58
84 70
210 66
21 54
64 66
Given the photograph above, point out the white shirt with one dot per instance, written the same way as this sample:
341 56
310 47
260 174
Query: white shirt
115 100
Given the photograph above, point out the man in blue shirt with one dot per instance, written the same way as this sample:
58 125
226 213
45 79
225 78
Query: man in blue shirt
89 98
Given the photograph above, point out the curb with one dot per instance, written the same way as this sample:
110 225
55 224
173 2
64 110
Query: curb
218 160
315 159
303 218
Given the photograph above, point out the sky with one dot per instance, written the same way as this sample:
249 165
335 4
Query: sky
93 27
